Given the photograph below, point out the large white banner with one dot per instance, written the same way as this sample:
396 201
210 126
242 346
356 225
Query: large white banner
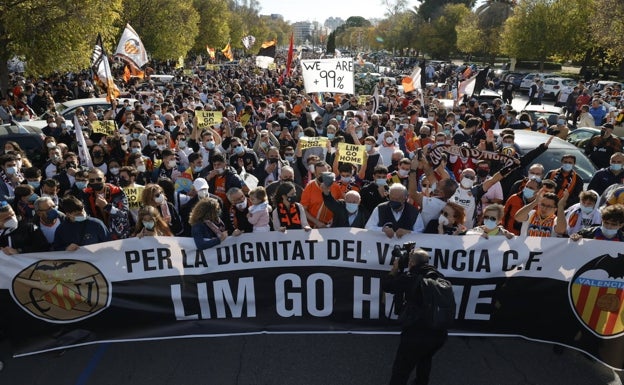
545 289
328 75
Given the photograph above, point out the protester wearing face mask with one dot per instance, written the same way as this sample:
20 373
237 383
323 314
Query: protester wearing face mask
18 236
449 222
168 167
347 211
567 179
401 173
9 177
48 218
287 175
150 224
584 214
491 227
288 213
239 208
518 200
396 217
23 202
107 203
610 175
469 194
222 178
78 229
372 160
612 218
387 148
153 195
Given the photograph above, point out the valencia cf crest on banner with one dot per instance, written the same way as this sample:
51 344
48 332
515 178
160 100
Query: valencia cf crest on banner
597 295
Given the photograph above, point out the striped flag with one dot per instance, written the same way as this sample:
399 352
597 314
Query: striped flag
102 72
130 48
248 41
412 82
375 100
466 87
83 151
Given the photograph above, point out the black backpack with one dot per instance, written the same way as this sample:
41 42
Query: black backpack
438 310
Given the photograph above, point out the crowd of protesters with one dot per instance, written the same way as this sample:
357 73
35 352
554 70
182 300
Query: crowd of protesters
252 172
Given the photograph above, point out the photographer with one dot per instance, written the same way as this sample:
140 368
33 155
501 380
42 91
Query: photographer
419 341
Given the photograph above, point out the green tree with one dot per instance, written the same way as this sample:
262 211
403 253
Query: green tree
439 37
432 9
168 29
607 31
528 34
394 7
331 42
479 32
213 26
54 35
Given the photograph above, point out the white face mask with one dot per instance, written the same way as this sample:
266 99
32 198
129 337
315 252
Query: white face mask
114 170
389 140
443 220
159 198
403 173
311 168
141 168
242 205
467 183
172 163
203 193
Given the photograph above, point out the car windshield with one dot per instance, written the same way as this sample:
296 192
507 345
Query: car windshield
551 160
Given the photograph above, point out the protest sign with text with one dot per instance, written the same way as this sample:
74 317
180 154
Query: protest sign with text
328 75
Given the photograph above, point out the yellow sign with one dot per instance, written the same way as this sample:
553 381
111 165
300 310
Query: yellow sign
134 196
106 127
351 153
205 119
308 142
362 100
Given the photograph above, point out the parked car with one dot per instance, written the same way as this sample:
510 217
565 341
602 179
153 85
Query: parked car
551 113
487 96
580 136
552 86
30 139
68 109
551 159
517 78
528 79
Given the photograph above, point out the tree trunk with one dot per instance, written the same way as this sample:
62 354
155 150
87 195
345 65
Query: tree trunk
4 77
621 70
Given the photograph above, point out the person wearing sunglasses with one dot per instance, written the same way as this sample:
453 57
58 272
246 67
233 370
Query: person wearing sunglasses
492 216
450 221
107 203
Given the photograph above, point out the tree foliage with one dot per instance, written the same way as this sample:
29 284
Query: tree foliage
55 35
168 29
528 33
429 10
438 37
214 29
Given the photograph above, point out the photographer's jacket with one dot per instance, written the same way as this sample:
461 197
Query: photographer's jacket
408 283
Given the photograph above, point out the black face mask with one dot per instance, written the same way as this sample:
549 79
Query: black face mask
123 182
96 186
482 173
291 199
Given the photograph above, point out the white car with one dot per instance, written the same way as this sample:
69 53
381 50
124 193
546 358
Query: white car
552 86
68 109
528 79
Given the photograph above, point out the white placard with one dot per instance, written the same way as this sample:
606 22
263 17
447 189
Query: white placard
328 75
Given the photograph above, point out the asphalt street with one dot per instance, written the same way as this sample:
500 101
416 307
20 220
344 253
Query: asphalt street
303 360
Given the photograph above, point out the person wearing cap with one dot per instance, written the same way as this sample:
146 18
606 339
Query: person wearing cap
600 148
199 192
